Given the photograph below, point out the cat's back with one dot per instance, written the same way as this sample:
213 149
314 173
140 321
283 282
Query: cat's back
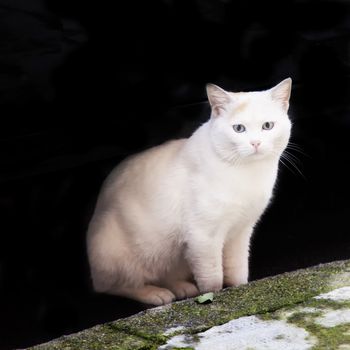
148 162
143 171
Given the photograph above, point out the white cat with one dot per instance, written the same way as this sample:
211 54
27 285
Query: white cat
176 220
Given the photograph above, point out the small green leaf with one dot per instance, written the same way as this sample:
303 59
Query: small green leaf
205 298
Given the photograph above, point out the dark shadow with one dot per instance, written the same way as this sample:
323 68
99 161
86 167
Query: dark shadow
85 84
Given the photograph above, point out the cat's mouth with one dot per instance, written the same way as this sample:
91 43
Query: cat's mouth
257 153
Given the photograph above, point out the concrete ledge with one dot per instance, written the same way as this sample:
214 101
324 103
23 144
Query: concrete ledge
269 299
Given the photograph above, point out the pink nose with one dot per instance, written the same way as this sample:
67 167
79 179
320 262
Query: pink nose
255 144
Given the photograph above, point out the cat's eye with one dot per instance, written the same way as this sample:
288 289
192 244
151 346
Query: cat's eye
239 127
268 125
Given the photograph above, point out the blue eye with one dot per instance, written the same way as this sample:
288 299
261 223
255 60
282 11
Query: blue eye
239 128
268 125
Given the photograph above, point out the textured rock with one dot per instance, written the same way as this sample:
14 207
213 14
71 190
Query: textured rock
292 308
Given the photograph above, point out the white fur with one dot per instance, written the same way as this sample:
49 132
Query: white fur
175 220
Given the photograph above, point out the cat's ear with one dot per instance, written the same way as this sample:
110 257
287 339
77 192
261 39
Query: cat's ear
281 93
218 99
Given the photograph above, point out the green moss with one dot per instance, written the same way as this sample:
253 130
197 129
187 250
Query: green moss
156 339
269 316
327 304
327 337
330 338
258 297
145 330
303 318
100 337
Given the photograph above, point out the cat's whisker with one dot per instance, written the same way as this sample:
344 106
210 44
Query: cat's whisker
297 149
285 159
238 161
232 158
293 146
291 155
292 163
291 170
239 155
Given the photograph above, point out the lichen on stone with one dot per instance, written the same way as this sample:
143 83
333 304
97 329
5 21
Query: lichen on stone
268 298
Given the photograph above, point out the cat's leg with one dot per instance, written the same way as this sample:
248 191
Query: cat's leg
179 280
110 281
204 256
115 269
128 280
236 258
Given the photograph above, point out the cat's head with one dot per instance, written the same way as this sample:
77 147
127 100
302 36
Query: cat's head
250 125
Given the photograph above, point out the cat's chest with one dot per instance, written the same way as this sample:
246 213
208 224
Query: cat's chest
245 191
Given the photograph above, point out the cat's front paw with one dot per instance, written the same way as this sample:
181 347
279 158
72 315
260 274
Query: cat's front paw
155 295
184 289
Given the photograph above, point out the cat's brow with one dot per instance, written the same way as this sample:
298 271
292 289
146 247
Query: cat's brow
241 107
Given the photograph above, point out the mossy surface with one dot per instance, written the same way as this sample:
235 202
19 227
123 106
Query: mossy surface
146 329
99 337
306 314
327 337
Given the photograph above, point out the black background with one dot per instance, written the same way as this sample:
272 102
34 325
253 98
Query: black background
85 83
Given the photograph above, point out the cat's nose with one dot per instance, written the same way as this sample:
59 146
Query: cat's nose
255 144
